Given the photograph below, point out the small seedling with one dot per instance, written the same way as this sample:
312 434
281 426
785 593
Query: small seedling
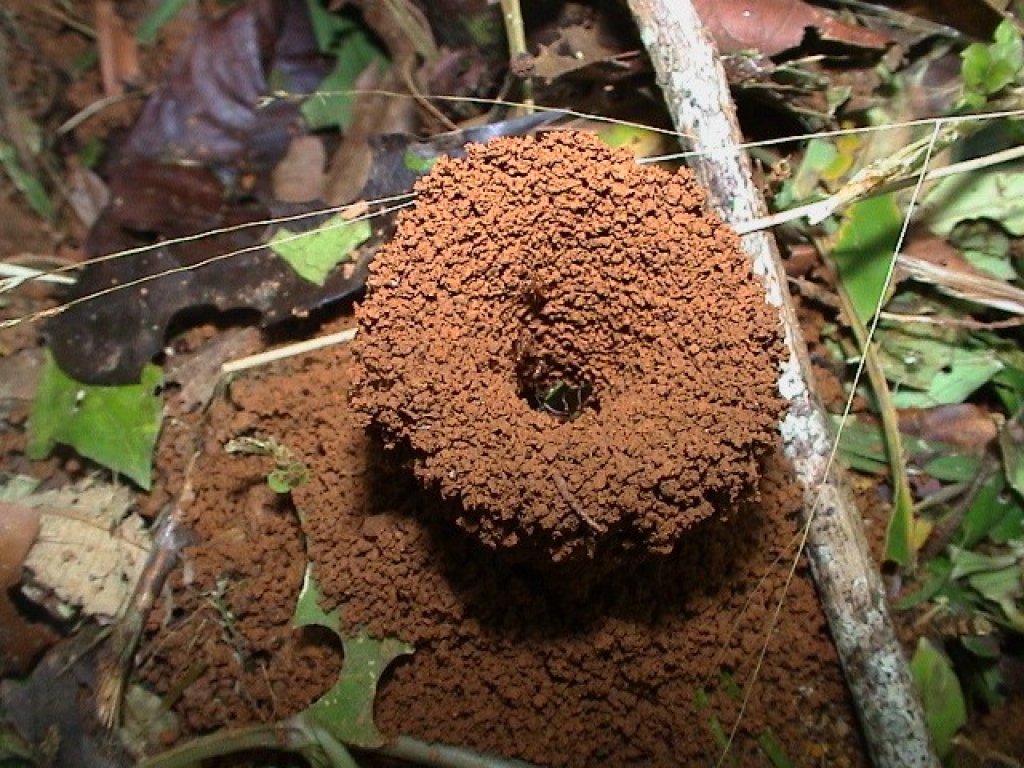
288 472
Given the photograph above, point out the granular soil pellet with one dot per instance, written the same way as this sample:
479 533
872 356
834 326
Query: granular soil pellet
507 659
642 662
571 348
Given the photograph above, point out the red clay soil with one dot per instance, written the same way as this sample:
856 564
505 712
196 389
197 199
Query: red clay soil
559 264
569 666
506 661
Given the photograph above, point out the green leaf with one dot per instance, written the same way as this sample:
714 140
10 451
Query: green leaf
346 711
998 586
932 366
864 247
1009 386
901 545
315 253
988 69
1011 526
114 426
29 186
288 472
1003 587
993 513
994 194
967 562
288 478
702 701
977 666
160 15
417 163
944 706
938 570
774 751
642 142
307 609
14 750
1013 458
952 467
354 49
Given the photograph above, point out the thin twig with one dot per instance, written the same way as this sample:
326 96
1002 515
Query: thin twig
291 350
817 211
572 501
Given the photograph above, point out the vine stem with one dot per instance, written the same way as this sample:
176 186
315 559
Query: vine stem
850 588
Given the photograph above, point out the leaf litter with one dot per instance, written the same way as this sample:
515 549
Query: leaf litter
1007 385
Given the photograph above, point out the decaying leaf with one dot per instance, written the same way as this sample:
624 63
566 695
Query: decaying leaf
47 708
774 26
964 425
578 46
963 281
208 112
89 551
198 372
299 177
21 641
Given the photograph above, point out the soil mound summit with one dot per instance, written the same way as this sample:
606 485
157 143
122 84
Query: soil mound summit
571 349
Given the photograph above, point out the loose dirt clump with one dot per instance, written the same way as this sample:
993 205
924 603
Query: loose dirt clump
618 306
507 660
569 346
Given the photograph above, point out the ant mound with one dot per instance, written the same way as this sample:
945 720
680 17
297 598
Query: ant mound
567 346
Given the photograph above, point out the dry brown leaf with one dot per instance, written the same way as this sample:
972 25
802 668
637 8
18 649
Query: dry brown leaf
773 26
299 177
964 425
19 375
198 372
932 260
20 641
118 51
577 46
89 552
373 114
88 194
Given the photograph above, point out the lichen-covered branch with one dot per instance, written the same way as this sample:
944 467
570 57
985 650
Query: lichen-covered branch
698 98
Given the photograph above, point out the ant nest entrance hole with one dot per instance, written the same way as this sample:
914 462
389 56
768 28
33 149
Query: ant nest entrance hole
571 349
560 391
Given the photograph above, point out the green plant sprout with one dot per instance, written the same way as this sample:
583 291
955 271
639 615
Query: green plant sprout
288 472
769 743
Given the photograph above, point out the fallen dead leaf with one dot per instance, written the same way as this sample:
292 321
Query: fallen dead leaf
89 551
118 51
578 46
964 425
299 177
88 194
53 708
373 113
19 374
21 641
198 372
773 26
941 265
